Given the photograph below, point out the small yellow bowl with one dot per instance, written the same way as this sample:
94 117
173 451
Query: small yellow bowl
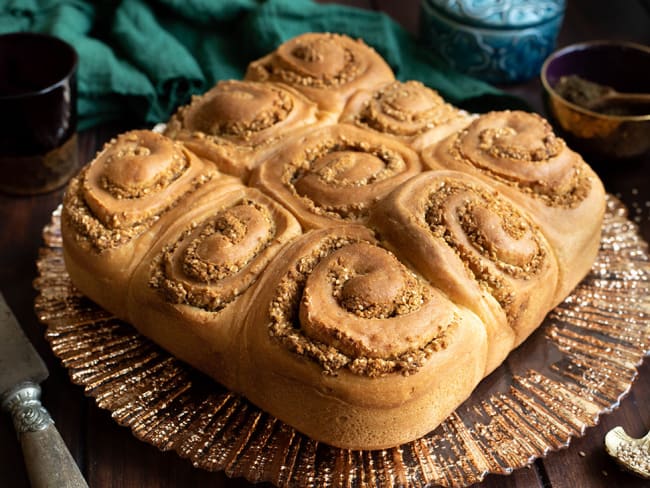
624 66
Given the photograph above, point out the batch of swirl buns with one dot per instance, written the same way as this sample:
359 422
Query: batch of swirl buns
349 252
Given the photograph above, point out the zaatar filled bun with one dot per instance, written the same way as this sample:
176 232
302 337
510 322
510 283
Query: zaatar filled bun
114 209
408 111
335 174
477 247
236 123
327 68
350 345
191 289
371 255
520 156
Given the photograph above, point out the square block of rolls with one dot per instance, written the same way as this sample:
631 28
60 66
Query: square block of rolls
349 252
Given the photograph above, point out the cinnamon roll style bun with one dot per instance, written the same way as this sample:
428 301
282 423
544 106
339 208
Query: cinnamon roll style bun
192 288
350 253
335 174
114 206
236 122
327 68
478 247
409 111
348 344
518 153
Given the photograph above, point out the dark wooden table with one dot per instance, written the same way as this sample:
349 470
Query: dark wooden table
110 456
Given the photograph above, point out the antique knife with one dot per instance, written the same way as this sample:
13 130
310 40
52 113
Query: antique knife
48 461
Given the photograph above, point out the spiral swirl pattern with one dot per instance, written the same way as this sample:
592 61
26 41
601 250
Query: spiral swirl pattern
236 120
323 66
238 110
345 302
478 247
220 254
326 276
132 181
402 109
495 240
335 174
520 150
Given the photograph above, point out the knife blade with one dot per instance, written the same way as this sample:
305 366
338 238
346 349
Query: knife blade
19 361
47 458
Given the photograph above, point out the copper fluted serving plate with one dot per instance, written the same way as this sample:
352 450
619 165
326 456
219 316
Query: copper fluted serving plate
577 366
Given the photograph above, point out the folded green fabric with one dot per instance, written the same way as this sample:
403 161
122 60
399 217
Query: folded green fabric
139 60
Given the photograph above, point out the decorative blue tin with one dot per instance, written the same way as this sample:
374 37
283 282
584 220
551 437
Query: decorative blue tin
500 41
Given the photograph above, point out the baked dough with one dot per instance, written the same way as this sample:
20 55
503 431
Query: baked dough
350 253
408 111
113 209
235 123
196 280
327 68
335 174
477 247
378 351
519 154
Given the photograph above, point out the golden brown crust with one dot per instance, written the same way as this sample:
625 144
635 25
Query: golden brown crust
136 177
518 153
327 68
477 247
329 329
358 340
192 287
336 174
408 111
113 209
236 122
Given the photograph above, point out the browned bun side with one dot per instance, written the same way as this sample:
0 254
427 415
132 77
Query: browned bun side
114 207
191 291
518 153
478 247
327 68
352 348
408 111
335 174
236 123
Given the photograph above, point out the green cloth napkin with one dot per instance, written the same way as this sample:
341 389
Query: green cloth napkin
139 60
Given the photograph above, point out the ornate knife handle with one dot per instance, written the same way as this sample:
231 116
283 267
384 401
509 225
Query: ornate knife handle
49 463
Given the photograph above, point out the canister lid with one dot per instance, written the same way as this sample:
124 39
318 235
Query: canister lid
499 13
